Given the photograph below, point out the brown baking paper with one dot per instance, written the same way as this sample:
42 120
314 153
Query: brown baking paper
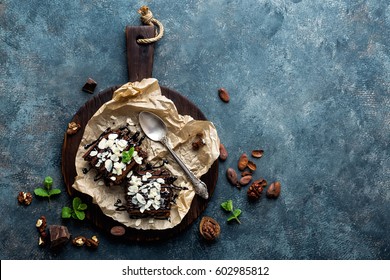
127 102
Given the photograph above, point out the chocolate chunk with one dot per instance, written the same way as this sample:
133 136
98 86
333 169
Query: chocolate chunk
59 236
89 86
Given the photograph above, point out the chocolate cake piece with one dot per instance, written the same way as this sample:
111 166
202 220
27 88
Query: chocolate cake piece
150 192
114 154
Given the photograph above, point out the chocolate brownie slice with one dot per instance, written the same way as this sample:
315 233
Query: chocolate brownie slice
150 192
114 154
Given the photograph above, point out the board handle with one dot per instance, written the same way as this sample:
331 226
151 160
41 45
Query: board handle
139 56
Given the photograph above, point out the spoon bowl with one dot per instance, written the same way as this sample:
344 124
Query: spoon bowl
153 126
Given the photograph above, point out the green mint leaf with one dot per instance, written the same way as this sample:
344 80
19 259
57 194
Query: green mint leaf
227 205
74 216
127 155
76 202
54 191
237 212
66 212
48 182
41 192
82 207
80 215
234 217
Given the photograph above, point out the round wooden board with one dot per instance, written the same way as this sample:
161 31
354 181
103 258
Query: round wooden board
71 145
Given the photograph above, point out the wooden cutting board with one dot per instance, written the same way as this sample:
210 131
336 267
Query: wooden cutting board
140 65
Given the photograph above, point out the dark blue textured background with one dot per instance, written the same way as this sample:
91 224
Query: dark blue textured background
309 84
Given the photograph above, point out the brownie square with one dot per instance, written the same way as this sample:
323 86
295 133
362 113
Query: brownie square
149 193
114 154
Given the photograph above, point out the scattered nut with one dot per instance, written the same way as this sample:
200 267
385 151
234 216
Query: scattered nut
257 153
223 154
92 242
245 180
41 241
198 142
79 241
262 182
273 190
242 162
209 228
224 95
255 190
246 173
25 198
41 223
41 227
231 175
73 127
251 165
118 231
38 223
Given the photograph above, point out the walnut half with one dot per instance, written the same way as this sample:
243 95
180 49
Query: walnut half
209 228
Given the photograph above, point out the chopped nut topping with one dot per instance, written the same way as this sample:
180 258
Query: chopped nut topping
39 223
79 241
198 142
41 242
73 127
41 227
25 198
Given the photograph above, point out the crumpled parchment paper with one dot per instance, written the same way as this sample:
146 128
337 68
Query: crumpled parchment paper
127 102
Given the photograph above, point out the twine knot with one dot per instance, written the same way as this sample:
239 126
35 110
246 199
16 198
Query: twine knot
148 19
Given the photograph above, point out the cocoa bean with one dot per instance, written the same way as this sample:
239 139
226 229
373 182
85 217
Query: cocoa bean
257 153
242 162
224 95
223 154
273 190
118 231
231 175
245 180
251 165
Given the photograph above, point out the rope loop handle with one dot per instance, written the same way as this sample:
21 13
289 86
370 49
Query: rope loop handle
148 19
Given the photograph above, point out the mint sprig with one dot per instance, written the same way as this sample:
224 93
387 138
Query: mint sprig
77 212
127 155
47 190
228 206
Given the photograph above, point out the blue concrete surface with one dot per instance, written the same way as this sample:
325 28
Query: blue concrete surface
309 84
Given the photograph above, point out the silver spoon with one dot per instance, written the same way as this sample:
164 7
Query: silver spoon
156 130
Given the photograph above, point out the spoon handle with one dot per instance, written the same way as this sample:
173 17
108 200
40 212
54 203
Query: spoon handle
200 186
